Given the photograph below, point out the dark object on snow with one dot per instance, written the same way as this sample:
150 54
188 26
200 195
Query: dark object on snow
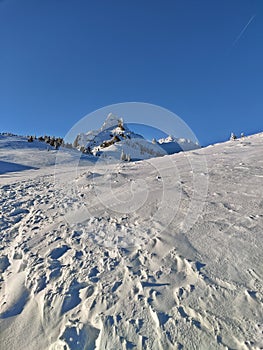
233 136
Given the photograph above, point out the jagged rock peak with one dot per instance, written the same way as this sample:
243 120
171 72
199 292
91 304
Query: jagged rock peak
111 121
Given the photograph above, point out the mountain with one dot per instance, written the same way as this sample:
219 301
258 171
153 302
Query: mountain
115 138
165 253
172 145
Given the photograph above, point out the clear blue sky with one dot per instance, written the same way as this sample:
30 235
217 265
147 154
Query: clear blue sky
62 59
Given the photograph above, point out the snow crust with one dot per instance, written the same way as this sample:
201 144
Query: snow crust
119 278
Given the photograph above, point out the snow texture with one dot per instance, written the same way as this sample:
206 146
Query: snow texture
86 270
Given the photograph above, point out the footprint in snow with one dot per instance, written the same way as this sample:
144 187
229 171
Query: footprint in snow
58 252
71 298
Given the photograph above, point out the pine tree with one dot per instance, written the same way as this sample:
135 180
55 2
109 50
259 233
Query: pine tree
233 136
123 155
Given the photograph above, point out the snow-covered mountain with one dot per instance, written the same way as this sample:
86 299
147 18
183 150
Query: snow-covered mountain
115 138
164 253
171 144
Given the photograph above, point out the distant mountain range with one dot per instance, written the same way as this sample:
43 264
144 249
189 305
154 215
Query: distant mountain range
115 140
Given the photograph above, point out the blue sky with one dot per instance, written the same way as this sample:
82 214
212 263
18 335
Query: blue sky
201 59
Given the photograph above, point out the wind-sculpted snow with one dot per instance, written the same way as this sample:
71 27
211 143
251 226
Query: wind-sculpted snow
104 259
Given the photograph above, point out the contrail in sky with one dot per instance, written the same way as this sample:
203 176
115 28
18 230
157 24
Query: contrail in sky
243 30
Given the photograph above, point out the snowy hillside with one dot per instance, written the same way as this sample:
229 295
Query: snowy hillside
17 153
164 253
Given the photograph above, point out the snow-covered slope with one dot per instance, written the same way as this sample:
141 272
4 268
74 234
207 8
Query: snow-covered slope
93 259
18 150
17 154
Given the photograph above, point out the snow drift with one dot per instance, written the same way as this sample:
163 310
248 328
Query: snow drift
119 278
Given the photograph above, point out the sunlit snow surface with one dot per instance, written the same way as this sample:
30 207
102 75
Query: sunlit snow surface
82 269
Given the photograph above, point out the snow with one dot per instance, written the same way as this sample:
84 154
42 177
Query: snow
174 145
114 137
162 253
137 148
110 122
17 154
